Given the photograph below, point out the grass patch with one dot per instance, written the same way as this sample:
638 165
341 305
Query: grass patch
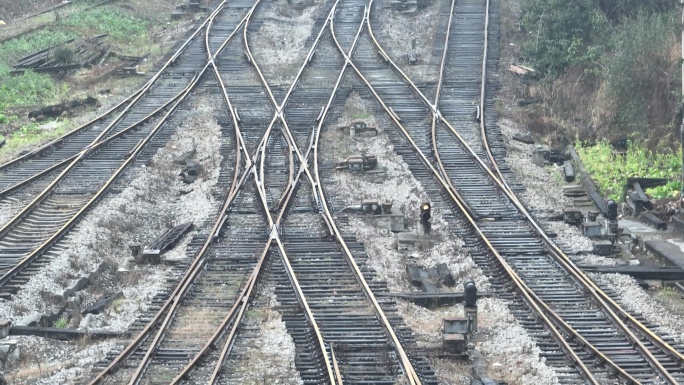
116 305
32 88
361 115
120 25
669 292
61 323
32 134
611 171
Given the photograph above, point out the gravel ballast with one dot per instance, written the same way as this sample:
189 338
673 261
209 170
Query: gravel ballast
407 194
147 205
279 45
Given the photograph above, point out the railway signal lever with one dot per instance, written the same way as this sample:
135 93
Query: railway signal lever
470 304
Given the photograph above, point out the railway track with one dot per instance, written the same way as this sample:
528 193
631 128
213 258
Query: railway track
322 321
325 328
276 220
146 104
476 201
30 233
157 367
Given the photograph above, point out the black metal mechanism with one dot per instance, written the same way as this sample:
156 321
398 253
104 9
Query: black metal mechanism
165 242
611 210
470 291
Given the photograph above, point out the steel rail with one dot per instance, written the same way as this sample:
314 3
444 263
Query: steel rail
80 156
529 296
437 94
5 278
435 112
280 106
100 143
29 258
604 299
246 293
170 315
406 364
275 236
337 369
199 260
189 276
601 297
329 221
129 100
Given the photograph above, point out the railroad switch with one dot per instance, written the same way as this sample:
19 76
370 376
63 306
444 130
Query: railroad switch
382 213
358 163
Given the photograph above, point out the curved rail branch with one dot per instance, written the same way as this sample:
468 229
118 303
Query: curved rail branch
128 102
526 292
197 265
615 311
411 374
434 107
91 200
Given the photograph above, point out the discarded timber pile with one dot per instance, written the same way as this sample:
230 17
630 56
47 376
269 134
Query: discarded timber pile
56 110
69 55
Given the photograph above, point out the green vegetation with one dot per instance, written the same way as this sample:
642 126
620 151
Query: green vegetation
36 89
610 171
30 88
61 323
32 133
14 49
116 305
607 68
119 24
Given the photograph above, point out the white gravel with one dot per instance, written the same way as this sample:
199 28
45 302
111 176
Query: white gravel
544 194
397 33
544 184
634 299
47 362
571 235
407 194
427 325
270 357
148 206
279 46
510 346
142 211
9 208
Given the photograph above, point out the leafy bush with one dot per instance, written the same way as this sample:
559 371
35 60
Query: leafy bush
64 55
640 75
611 171
562 33
616 10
